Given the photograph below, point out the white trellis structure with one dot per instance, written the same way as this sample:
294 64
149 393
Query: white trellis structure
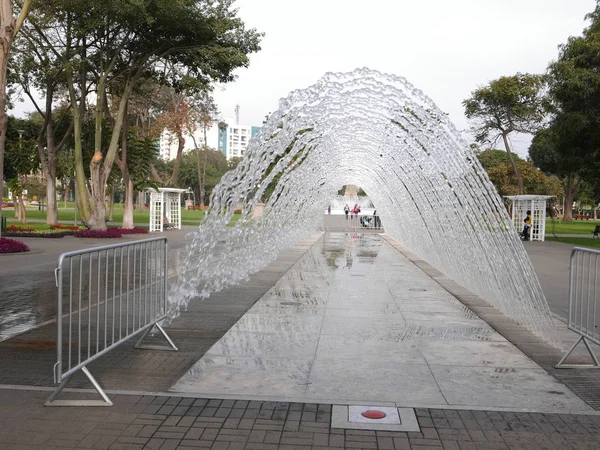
165 209
537 205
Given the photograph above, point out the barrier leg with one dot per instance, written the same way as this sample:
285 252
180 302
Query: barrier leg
171 346
596 364
104 402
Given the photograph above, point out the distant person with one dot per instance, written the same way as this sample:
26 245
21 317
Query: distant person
376 222
329 209
346 210
527 227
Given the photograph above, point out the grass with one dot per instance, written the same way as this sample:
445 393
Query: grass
140 218
575 227
580 242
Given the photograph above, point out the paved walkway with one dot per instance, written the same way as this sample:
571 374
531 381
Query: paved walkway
551 262
27 285
185 421
355 321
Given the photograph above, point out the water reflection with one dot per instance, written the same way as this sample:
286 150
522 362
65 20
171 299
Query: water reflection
25 302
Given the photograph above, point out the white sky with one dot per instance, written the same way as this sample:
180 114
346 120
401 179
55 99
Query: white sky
447 48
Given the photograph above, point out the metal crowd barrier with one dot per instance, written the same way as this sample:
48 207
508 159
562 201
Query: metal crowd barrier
584 304
107 295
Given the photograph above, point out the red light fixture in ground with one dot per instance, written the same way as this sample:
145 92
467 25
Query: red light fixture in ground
373 414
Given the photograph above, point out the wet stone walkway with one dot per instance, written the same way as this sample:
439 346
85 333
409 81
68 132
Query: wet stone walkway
354 321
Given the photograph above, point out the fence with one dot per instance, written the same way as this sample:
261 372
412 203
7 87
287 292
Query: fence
338 222
107 295
584 307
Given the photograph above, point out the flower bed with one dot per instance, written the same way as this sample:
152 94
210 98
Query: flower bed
103 234
41 234
136 230
18 229
58 226
12 246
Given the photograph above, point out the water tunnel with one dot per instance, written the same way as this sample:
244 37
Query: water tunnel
381 133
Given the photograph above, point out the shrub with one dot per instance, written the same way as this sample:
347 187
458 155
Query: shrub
104 234
136 230
12 246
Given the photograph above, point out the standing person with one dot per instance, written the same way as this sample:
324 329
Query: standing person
346 210
329 209
376 219
527 227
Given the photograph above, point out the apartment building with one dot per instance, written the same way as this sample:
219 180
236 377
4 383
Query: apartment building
231 139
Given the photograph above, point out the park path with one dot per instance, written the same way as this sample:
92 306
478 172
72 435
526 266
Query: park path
354 320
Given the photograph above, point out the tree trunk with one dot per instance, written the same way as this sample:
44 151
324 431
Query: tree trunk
20 210
512 161
81 192
97 220
51 202
100 166
16 207
569 198
128 206
111 203
23 212
180 145
201 178
67 194
127 181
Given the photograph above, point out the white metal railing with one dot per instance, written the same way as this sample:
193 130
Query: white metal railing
584 304
106 295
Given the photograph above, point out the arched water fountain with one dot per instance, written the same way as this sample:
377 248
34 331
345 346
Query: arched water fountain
379 132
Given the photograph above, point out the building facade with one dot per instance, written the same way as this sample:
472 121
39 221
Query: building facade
229 139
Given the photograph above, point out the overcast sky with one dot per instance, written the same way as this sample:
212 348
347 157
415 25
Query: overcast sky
445 48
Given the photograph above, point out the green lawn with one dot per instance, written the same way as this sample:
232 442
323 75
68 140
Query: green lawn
580 242
140 218
556 226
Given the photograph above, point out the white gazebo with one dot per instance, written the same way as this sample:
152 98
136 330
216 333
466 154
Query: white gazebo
537 205
165 208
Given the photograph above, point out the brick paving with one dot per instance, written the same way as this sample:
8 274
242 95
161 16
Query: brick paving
162 422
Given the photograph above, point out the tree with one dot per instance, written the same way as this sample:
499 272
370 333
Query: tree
21 161
36 68
203 111
499 169
204 182
111 46
9 27
569 146
507 105
557 152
